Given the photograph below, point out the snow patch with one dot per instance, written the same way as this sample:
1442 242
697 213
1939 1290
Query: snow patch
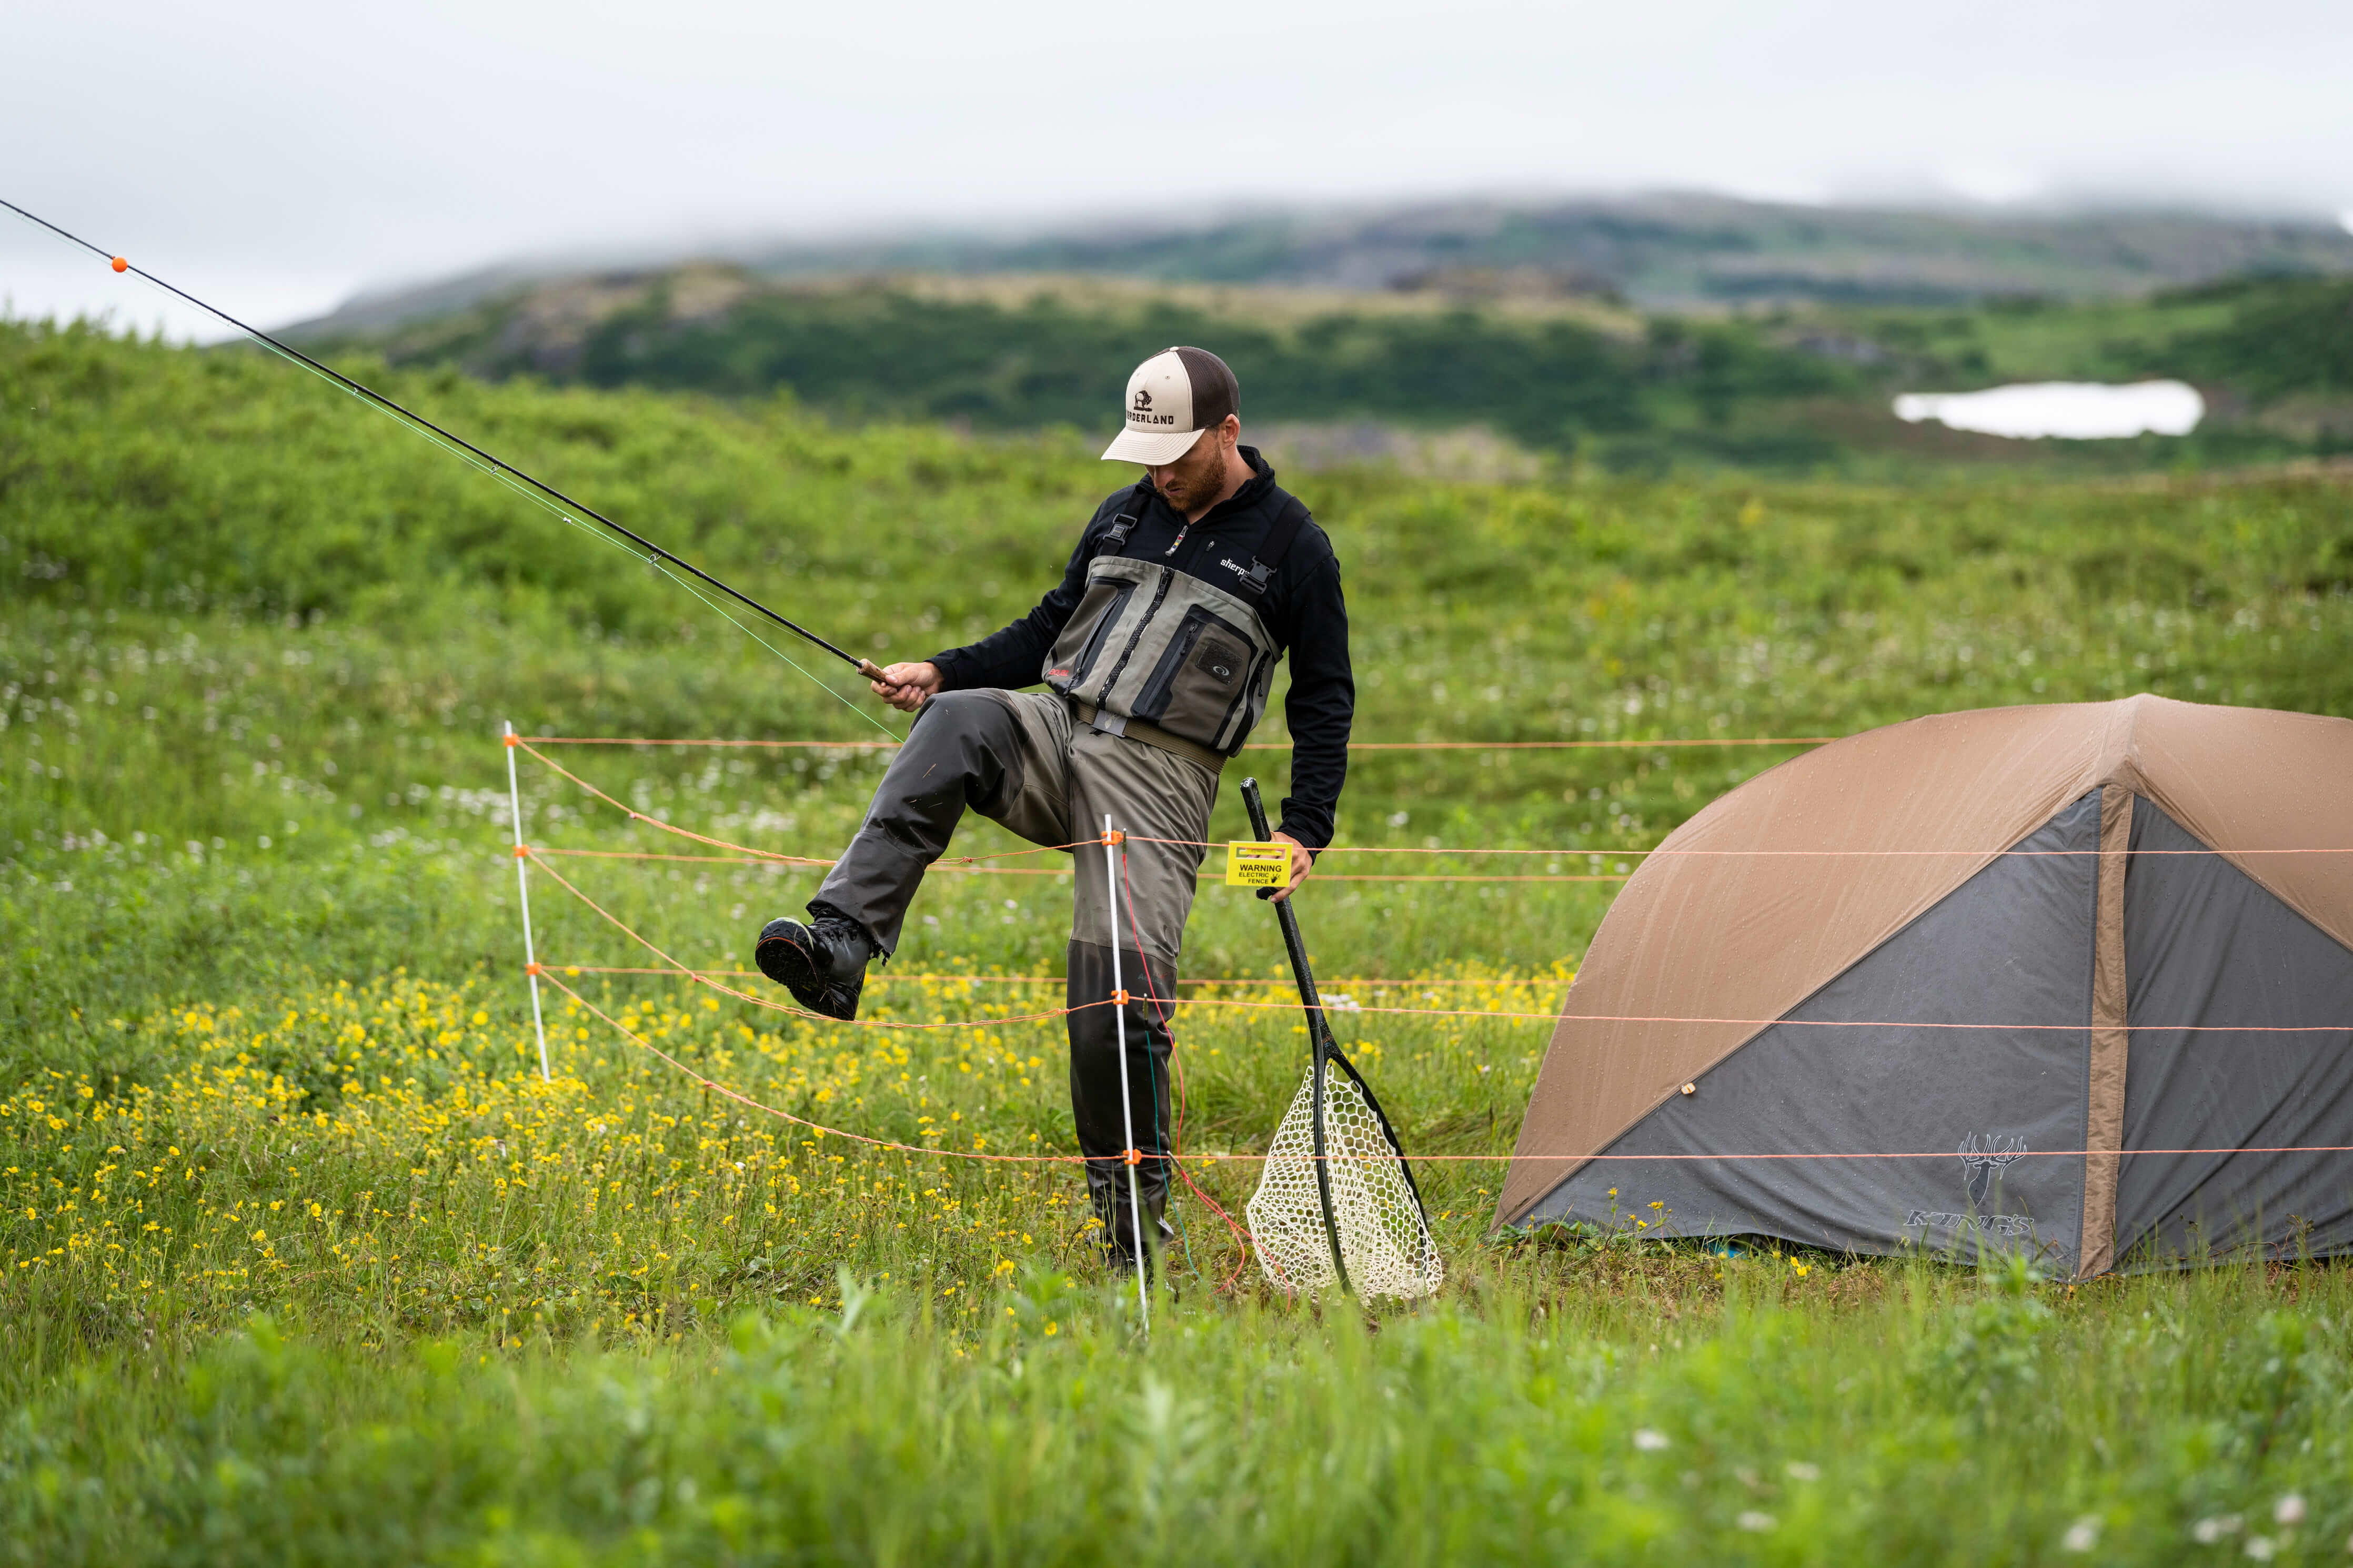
2069 410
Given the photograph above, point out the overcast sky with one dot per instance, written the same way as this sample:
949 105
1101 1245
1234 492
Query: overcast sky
277 156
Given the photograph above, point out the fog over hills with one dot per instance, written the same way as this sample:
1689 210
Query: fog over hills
1662 252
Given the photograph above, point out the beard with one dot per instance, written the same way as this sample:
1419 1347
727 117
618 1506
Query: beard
1195 475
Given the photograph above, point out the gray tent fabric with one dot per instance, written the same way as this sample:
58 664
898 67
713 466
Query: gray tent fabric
2021 931
1789 881
2204 945
2172 915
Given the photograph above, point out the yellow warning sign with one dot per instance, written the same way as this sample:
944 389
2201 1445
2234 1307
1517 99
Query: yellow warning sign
1252 865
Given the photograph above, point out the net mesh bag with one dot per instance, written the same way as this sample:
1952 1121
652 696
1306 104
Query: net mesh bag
1383 1239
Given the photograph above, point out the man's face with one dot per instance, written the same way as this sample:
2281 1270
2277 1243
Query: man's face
1200 472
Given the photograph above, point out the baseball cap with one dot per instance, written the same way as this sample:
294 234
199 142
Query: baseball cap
1173 397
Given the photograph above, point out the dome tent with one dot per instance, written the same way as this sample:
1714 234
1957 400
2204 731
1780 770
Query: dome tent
1979 937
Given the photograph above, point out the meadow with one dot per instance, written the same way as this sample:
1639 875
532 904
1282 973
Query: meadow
304 1260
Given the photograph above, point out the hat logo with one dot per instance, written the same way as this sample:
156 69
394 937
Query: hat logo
1143 398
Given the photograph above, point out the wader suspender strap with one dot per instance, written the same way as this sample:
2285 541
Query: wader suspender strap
1125 523
1277 544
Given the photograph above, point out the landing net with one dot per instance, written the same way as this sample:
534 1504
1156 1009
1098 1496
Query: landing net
1384 1241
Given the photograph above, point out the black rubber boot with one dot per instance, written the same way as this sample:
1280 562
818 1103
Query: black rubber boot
821 960
1119 1238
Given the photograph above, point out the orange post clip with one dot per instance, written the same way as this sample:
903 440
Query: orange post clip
1133 1157
1119 997
532 969
1113 836
521 850
513 740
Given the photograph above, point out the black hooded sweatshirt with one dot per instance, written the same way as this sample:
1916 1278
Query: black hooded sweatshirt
1301 607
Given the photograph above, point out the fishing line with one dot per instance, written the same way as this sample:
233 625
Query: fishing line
539 491
772 649
466 457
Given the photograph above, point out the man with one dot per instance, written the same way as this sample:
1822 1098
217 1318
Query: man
1157 648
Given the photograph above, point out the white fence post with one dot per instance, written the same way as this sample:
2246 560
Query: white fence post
523 889
1126 1106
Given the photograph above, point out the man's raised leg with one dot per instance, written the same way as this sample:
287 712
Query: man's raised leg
986 750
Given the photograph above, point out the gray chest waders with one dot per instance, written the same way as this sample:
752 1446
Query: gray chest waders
1187 657
1164 674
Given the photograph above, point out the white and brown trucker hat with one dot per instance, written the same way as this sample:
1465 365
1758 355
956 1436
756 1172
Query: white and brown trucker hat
1173 397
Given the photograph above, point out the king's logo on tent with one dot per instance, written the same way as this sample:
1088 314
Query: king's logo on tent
1982 1163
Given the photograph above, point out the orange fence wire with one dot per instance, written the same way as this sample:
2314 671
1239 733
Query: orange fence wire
884 977
702 978
824 1130
1252 746
708 978
970 864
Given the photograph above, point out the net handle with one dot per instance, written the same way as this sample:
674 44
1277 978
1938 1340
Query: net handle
1320 1044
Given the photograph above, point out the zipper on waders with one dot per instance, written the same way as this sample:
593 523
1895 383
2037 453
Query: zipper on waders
1134 637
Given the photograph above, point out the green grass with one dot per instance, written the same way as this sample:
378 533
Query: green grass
401 1301
1885 1415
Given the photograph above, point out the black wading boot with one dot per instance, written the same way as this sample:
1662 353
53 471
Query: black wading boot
1118 1240
821 960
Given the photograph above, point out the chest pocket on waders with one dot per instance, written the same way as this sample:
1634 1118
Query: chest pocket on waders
1199 677
1098 613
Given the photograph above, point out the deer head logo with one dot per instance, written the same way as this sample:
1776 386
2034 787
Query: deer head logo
1982 1161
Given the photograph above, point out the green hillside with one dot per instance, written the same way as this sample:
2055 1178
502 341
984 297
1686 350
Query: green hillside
1783 390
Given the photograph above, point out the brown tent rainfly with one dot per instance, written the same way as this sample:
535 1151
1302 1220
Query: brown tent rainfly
2086 968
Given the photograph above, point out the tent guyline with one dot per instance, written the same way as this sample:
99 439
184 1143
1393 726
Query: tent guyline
539 489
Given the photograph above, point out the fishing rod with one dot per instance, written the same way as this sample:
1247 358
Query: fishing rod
655 553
